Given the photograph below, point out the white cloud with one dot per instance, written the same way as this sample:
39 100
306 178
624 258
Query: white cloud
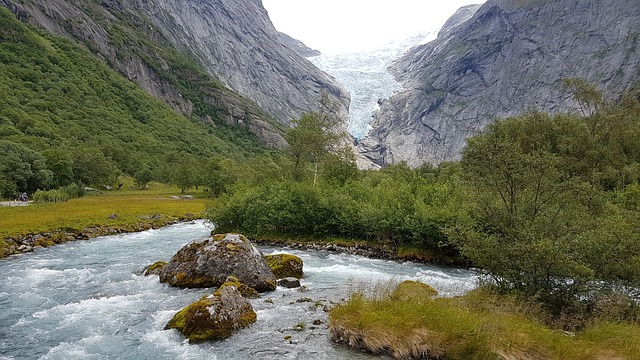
333 26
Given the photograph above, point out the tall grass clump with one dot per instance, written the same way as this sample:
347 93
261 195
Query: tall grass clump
409 322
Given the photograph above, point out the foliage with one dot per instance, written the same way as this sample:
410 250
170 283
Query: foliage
317 136
397 205
542 225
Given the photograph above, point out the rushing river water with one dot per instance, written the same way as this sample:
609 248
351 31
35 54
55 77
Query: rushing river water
86 300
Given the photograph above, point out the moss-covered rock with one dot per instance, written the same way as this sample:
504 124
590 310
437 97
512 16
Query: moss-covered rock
215 316
154 269
208 263
245 291
285 265
413 291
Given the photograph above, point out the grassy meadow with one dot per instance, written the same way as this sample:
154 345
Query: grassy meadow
92 210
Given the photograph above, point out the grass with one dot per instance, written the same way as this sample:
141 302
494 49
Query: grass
479 325
130 206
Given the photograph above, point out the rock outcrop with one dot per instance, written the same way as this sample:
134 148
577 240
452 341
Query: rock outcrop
285 265
214 317
236 41
509 57
208 263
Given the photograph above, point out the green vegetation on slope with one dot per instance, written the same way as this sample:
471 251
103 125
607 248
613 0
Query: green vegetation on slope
65 117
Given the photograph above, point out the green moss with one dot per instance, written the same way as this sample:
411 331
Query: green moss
285 265
246 291
154 268
197 324
182 279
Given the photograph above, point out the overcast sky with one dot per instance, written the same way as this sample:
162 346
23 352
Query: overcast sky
334 26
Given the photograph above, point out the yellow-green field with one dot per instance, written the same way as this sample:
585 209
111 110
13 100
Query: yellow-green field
130 206
479 325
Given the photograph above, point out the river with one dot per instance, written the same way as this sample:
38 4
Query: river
86 300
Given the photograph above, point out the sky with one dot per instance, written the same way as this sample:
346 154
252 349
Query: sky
338 26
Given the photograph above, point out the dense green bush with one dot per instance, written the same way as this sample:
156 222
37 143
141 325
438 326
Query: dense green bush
397 205
542 224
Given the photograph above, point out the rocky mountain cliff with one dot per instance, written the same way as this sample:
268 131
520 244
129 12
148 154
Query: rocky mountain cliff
213 59
510 56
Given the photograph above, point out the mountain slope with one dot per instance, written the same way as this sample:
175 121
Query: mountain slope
220 62
63 108
511 56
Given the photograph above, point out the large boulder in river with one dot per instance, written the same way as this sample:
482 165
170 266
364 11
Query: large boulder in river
285 265
214 317
208 263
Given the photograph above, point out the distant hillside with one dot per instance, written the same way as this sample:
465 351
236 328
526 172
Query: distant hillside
510 56
66 117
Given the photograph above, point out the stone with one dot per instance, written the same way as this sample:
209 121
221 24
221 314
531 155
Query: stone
112 216
245 291
285 265
289 282
154 269
209 262
214 317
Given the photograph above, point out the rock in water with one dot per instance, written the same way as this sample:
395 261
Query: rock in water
289 282
214 317
154 269
285 265
208 263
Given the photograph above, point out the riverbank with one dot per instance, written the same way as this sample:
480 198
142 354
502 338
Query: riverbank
383 251
26 228
478 325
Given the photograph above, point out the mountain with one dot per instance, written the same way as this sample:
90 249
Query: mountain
218 61
509 57
66 117
298 46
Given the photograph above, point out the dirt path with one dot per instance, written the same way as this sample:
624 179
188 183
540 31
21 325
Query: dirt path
14 203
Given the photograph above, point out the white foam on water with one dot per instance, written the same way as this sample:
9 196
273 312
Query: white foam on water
75 350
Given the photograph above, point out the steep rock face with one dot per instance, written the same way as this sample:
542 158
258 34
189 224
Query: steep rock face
511 56
235 40
251 75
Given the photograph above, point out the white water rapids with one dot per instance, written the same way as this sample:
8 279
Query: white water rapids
85 300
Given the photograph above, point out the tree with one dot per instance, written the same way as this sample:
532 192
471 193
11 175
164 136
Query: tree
314 136
91 167
218 175
143 176
530 218
59 161
22 170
